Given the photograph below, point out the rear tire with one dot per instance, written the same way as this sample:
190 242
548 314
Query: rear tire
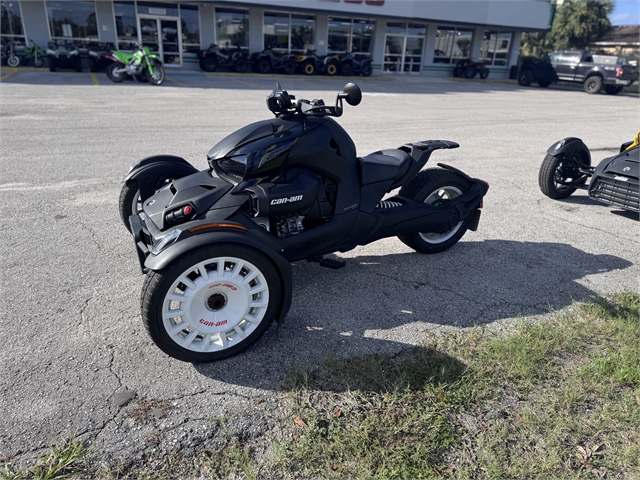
208 64
263 65
346 69
484 72
196 313
593 85
241 65
289 67
555 170
469 72
367 70
434 186
114 76
309 68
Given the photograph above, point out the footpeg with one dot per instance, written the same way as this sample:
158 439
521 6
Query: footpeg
331 263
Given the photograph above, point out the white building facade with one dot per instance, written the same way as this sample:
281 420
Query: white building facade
423 37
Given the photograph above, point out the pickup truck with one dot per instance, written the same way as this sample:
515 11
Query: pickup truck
594 71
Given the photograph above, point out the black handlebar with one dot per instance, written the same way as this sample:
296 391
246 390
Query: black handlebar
282 104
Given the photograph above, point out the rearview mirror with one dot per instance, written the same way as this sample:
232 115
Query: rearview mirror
352 94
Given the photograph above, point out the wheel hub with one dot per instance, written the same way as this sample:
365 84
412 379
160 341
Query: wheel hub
217 301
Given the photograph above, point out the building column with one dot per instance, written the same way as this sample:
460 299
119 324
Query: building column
322 34
516 38
377 49
256 39
476 44
106 22
34 19
207 25
429 44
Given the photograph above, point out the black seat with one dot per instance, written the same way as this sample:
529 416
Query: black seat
384 165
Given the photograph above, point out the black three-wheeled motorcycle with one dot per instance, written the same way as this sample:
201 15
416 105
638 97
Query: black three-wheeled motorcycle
216 244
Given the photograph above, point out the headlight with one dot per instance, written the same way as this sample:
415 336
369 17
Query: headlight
167 240
559 145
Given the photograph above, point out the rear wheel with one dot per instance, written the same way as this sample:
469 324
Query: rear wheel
469 72
593 85
484 72
346 69
113 75
367 69
241 65
525 78
263 65
208 64
332 68
435 186
289 67
211 303
556 172
309 67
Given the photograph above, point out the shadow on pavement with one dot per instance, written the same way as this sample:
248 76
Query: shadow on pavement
381 304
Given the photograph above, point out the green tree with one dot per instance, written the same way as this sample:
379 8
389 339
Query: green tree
577 24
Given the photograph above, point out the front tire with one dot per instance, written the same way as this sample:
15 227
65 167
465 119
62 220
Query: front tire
211 303
263 65
525 78
555 171
367 70
469 72
157 77
346 69
309 68
208 64
130 202
332 69
593 85
241 65
484 72
435 186
13 61
289 67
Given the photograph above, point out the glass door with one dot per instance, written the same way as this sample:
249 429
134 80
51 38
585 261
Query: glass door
162 36
403 53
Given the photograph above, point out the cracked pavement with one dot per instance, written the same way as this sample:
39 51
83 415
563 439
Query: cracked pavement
76 359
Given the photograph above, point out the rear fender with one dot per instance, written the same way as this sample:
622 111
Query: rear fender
567 147
151 171
181 247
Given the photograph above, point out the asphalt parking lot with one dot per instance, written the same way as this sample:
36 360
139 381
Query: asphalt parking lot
75 350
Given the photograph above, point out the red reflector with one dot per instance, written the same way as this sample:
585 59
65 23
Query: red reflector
619 71
187 210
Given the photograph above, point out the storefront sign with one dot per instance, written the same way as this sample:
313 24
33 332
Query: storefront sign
157 11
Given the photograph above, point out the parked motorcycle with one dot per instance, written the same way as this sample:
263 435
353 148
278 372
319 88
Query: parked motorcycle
214 57
216 244
34 53
141 63
63 54
269 61
468 68
10 54
351 65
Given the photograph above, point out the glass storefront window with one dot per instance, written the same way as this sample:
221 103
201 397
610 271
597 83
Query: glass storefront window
285 32
396 27
232 27
276 31
347 35
190 23
404 44
11 20
72 20
452 44
126 26
302 33
495 47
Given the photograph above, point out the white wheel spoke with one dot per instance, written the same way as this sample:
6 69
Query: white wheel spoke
177 329
221 262
203 272
173 313
237 269
258 289
223 339
258 304
250 277
177 297
190 338
188 283
251 319
239 331
206 342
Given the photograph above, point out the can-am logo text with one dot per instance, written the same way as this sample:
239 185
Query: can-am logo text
280 201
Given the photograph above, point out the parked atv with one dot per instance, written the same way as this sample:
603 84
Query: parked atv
310 63
269 61
615 181
214 57
350 64
216 244
140 64
63 54
468 68
98 55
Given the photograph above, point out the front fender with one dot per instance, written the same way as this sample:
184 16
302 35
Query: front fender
567 147
181 247
150 171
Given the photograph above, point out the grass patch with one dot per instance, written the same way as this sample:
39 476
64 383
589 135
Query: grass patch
556 399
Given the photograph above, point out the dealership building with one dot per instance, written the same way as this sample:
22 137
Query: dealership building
423 37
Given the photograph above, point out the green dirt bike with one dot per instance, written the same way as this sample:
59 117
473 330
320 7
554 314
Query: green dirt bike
141 64
34 53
